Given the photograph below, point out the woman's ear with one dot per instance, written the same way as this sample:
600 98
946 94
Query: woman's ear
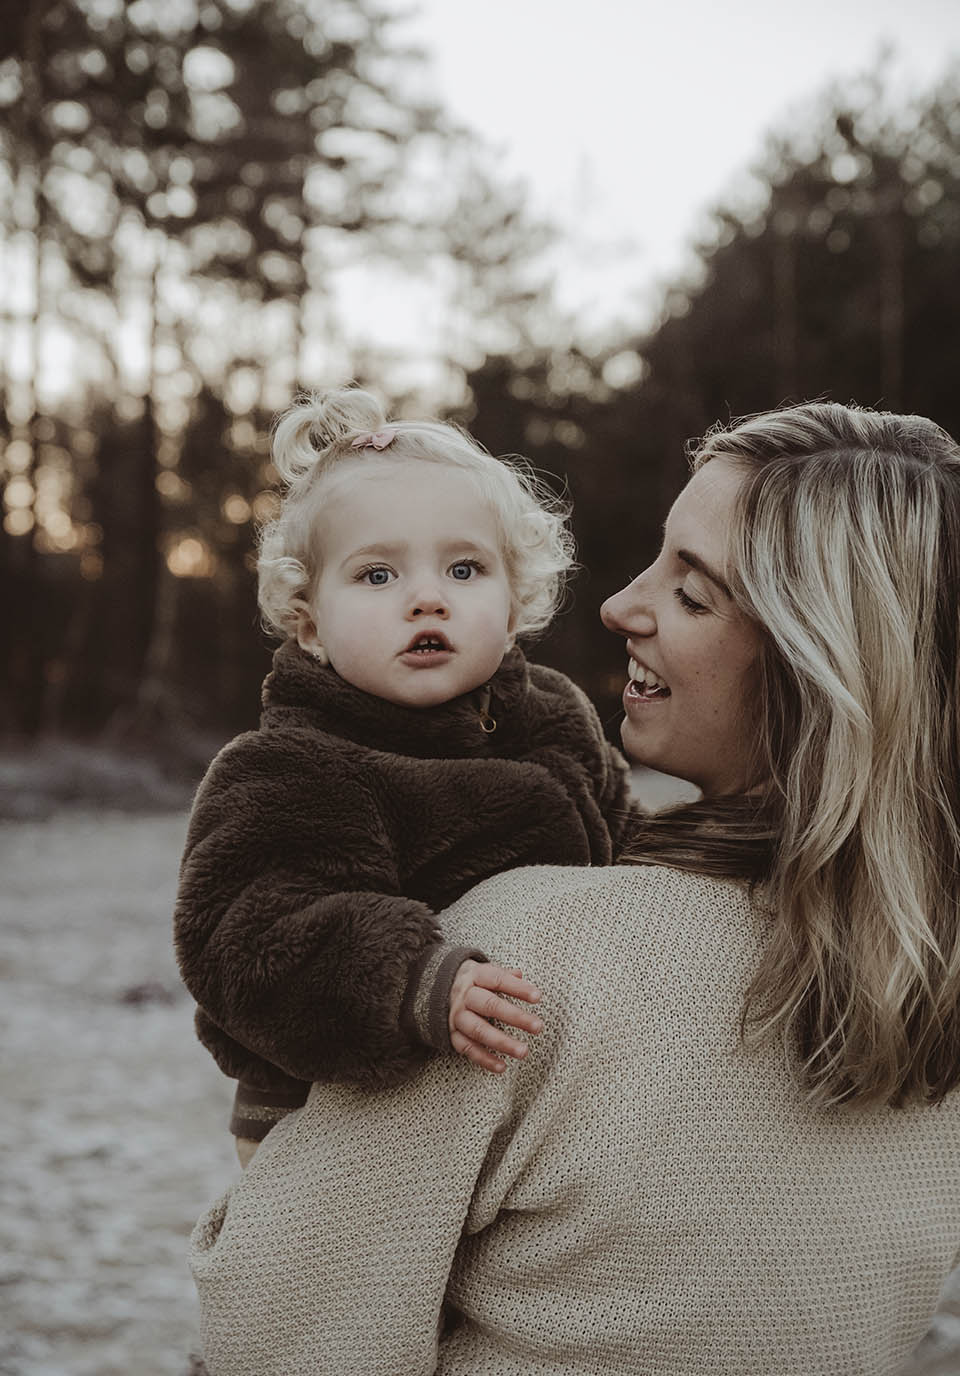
308 637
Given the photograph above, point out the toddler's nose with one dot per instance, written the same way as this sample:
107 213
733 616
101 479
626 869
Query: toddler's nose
428 601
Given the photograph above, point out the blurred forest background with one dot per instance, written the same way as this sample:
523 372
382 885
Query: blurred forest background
182 181
185 187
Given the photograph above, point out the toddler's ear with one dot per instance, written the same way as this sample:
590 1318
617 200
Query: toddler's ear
308 637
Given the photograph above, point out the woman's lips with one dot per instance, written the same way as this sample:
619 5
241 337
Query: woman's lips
635 699
645 689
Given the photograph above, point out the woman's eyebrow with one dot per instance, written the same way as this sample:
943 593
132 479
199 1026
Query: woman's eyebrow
695 562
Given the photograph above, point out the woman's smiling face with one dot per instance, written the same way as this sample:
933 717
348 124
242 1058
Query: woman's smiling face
690 702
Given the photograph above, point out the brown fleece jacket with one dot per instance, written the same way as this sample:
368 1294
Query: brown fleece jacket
320 847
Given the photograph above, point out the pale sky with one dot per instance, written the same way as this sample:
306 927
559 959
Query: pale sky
629 118
626 120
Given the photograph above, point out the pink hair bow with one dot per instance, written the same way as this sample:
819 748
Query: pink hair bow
379 439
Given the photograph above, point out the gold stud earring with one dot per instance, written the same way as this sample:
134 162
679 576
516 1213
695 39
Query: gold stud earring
320 655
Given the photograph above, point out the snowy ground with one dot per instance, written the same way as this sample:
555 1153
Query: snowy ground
113 1127
113 1131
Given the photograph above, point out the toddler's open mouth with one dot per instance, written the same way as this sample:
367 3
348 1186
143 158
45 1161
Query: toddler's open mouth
428 643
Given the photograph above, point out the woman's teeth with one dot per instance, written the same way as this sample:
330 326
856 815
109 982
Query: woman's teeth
647 679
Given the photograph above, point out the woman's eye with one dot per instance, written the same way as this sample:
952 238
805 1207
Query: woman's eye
376 577
464 569
688 603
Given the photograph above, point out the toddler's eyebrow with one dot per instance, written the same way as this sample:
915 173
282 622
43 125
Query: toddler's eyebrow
394 548
694 561
386 551
466 547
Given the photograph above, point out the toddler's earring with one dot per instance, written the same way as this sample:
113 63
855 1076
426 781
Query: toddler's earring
320 655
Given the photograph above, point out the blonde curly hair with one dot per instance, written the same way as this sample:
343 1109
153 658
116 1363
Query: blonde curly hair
314 438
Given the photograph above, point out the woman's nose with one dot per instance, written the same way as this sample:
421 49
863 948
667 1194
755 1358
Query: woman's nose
628 612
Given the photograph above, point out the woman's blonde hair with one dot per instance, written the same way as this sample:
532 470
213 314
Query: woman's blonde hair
313 440
846 551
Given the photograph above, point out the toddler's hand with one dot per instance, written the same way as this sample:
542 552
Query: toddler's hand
474 1002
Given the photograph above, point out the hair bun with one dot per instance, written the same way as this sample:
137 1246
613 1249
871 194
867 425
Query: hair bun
319 422
342 414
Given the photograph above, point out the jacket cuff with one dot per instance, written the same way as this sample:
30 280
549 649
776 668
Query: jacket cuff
256 1111
425 1014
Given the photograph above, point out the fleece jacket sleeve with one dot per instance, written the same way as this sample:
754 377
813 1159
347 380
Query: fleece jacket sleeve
290 929
424 1016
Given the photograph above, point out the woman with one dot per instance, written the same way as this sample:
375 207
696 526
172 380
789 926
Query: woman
734 1147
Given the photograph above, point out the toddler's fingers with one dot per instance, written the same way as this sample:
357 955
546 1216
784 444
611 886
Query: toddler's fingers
478 1030
484 1059
493 976
487 1005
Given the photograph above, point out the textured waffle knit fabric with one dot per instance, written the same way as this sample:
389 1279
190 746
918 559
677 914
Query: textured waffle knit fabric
640 1195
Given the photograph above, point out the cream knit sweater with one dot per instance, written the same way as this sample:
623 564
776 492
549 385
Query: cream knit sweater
641 1195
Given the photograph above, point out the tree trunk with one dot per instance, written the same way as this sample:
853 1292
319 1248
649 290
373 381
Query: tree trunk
785 314
23 691
145 719
891 300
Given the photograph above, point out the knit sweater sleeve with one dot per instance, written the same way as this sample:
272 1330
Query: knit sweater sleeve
291 932
412 1171
357 1289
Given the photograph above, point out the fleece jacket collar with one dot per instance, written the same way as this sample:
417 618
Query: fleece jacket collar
301 692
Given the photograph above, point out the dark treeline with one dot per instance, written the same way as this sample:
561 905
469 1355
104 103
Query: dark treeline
842 282
180 188
162 167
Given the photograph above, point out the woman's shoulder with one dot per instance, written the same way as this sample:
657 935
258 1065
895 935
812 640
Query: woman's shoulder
605 907
578 883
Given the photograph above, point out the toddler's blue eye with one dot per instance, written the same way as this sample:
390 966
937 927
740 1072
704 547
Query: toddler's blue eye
377 578
463 570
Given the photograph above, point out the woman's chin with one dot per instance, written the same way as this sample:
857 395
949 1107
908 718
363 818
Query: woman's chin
639 758
638 745
643 754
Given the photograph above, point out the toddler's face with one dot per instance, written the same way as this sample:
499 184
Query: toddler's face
413 601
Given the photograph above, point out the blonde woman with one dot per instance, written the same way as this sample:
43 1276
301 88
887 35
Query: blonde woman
734 1149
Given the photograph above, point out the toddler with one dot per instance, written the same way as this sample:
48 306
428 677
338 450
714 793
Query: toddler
406 751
